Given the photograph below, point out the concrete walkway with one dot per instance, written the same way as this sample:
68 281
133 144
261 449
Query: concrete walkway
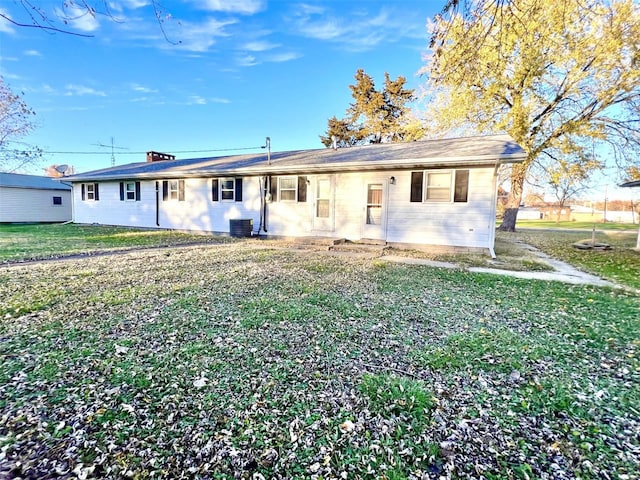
562 272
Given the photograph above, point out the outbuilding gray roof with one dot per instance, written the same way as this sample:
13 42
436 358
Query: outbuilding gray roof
467 151
17 180
633 183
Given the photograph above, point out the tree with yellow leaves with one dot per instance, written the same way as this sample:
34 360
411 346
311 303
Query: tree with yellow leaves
561 77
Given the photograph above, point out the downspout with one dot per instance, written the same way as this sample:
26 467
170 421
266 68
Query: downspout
267 196
492 215
157 204
73 205
262 188
385 207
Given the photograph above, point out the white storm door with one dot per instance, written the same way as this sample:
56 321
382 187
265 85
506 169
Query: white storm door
375 215
323 208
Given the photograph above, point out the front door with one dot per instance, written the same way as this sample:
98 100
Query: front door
375 215
323 205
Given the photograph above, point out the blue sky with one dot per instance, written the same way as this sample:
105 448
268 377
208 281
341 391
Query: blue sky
243 70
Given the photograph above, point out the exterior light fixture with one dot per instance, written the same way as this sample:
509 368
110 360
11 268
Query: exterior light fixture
392 180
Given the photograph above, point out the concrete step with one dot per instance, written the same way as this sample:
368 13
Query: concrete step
358 247
318 241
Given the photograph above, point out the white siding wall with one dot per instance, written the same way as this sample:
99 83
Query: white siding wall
466 224
197 212
33 205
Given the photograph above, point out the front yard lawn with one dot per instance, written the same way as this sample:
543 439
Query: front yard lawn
242 361
42 241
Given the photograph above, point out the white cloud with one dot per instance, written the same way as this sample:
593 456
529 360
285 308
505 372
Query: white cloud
197 100
283 57
243 7
11 76
353 30
5 25
200 37
79 18
250 60
134 4
220 100
43 88
81 90
259 46
32 53
323 30
247 61
306 9
142 89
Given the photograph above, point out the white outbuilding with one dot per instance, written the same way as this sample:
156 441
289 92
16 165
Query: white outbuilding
33 198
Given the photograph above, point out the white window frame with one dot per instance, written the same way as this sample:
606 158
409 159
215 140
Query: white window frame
224 190
294 189
427 187
130 195
90 193
173 193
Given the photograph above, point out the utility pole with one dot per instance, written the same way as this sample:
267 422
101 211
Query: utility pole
604 219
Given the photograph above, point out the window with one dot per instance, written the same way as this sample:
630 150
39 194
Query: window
89 191
173 190
288 189
374 204
226 189
440 186
323 199
129 191
462 186
57 200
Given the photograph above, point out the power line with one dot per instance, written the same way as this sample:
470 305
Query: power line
113 154
144 153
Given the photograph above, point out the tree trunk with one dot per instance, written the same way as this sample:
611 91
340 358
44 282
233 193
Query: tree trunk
518 174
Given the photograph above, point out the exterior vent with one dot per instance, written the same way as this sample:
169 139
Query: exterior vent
159 157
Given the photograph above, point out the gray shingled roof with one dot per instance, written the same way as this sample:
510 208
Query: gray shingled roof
467 151
633 183
17 180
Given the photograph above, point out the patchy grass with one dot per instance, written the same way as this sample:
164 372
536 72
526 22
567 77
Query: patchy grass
232 362
621 264
510 256
42 241
551 224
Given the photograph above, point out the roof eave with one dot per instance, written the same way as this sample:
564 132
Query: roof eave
632 183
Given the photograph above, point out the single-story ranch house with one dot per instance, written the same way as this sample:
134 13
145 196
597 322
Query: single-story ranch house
33 198
434 192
